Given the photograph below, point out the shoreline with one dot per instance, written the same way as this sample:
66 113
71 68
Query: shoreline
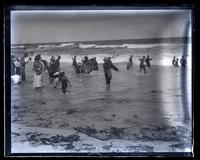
149 120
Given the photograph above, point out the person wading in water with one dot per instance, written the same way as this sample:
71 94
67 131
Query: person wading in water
107 66
142 64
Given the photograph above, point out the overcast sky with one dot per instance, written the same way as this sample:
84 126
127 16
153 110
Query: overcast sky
83 25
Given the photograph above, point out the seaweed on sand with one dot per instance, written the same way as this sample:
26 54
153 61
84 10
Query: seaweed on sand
110 133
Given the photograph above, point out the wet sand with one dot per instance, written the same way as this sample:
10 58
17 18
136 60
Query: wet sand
138 113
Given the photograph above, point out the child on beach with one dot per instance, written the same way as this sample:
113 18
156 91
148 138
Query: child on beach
64 82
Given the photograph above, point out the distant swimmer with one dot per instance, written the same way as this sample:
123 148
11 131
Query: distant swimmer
174 61
142 64
115 55
183 62
130 62
148 59
107 66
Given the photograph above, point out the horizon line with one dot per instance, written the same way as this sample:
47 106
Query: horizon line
96 40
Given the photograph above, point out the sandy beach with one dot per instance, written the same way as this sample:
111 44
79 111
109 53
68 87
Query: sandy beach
138 113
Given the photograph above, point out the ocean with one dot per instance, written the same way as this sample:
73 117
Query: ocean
160 50
154 109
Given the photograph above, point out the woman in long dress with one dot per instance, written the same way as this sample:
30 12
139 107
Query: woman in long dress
38 72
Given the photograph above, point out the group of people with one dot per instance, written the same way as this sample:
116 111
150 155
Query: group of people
86 65
183 62
56 76
18 67
144 61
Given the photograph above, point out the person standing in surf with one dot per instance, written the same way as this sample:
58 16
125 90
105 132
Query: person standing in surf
38 71
57 63
46 67
130 62
183 62
142 64
64 82
53 68
174 61
74 63
87 65
148 59
13 58
107 66
23 63
17 66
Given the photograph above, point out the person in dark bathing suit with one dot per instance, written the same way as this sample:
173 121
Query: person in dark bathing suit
130 62
94 64
74 63
23 63
176 63
183 62
58 63
78 68
142 64
64 82
46 67
148 59
52 69
107 66
12 65
17 66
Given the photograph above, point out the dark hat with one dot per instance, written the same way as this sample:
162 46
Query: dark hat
38 56
106 59
62 73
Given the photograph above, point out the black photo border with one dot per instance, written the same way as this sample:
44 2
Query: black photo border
7 87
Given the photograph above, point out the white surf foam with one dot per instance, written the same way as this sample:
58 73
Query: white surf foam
131 45
18 46
86 45
46 46
65 44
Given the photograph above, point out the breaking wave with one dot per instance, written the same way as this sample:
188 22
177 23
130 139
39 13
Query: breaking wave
83 46
62 45
18 46
86 46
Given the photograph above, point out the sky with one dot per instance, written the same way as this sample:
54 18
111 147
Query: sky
44 26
